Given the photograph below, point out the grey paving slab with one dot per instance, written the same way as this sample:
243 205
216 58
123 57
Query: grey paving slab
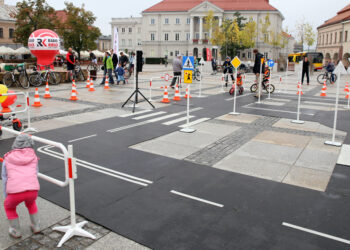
243 118
307 126
344 157
318 160
215 129
254 167
49 214
318 144
172 150
283 139
308 178
271 152
114 241
196 139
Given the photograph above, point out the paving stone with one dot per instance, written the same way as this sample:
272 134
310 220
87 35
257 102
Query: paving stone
27 244
242 118
318 160
283 139
308 178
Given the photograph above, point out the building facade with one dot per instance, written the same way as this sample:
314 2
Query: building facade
7 25
333 37
174 27
104 43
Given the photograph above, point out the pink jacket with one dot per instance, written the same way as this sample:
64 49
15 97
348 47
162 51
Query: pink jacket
21 169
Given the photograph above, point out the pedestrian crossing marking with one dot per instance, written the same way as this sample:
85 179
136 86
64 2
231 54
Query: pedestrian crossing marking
177 120
149 115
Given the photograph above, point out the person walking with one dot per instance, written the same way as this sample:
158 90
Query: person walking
177 68
108 68
258 68
306 68
115 63
70 58
20 183
123 59
228 70
214 66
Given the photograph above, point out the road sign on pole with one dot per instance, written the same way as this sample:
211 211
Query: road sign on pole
236 62
188 63
271 63
188 75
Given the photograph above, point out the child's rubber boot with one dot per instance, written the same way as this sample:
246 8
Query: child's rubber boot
35 226
14 229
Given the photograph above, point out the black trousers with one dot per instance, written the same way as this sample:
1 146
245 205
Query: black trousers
307 76
175 79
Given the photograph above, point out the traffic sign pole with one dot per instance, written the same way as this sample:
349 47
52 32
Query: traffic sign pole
200 80
188 129
259 88
235 95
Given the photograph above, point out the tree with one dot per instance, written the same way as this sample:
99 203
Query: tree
249 34
265 29
32 15
309 35
210 23
77 30
239 19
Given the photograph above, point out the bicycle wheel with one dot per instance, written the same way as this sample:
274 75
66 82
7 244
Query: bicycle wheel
23 80
53 78
8 79
254 88
321 78
35 80
270 88
80 75
335 77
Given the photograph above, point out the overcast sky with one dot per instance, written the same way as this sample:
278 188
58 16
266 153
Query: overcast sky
314 11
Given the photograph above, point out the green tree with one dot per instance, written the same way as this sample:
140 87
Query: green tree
264 30
77 30
210 23
248 34
32 15
309 35
239 19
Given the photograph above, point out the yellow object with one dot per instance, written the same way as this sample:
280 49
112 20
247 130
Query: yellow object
3 90
236 62
188 76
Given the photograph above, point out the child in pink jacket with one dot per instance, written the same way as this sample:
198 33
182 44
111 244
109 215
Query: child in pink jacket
20 183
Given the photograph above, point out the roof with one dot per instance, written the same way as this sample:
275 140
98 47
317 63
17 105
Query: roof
226 5
8 12
285 34
61 15
342 15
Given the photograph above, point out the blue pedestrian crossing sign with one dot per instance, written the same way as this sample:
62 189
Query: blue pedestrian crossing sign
271 63
188 63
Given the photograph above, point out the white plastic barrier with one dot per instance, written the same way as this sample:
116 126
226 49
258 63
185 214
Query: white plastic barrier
70 174
29 129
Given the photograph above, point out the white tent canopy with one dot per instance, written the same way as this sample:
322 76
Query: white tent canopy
62 52
84 53
98 53
22 51
6 51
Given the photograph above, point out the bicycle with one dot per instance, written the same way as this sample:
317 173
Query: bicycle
269 87
93 66
22 80
78 73
37 78
197 74
326 77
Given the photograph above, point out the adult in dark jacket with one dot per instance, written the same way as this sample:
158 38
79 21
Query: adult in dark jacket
306 67
258 67
70 58
123 59
115 63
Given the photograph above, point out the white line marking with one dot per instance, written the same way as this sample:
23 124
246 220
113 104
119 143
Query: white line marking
149 115
176 120
194 122
317 233
136 113
164 117
230 99
197 199
146 122
139 181
82 138
274 110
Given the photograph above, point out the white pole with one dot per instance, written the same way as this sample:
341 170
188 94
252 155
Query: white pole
71 190
200 82
286 78
235 95
135 70
222 83
269 96
259 88
150 90
348 107
333 142
29 129
298 121
187 128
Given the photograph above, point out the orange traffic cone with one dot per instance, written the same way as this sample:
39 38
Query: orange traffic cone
37 99
165 97
177 94
6 110
47 91
73 96
323 91
347 87
91 86
347 96
106 84
186 96
87 82
300 91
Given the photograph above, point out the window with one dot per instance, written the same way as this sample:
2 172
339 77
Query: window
1 33
177 52
11 33
266 55
243 55
346 36
266 38
340 36
130 42
139 42
123 30
249 55
331 39
152 52
166 21
197 35
153 21
177 21
152 36
335 37
130 30
139 30
327 39
323 39
188 20
188 36
177 36
171 53
166 37
206 36
123 42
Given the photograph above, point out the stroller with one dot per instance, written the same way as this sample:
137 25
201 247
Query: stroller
239 85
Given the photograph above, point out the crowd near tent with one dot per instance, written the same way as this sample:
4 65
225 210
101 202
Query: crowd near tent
7 51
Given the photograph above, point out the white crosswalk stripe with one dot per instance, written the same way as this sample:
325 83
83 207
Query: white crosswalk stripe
194 122
176 120
136 113
149 115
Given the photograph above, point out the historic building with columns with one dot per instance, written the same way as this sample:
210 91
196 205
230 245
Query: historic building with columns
174 27
334 37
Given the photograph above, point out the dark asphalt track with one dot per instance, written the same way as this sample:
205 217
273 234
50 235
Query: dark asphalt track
254 209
